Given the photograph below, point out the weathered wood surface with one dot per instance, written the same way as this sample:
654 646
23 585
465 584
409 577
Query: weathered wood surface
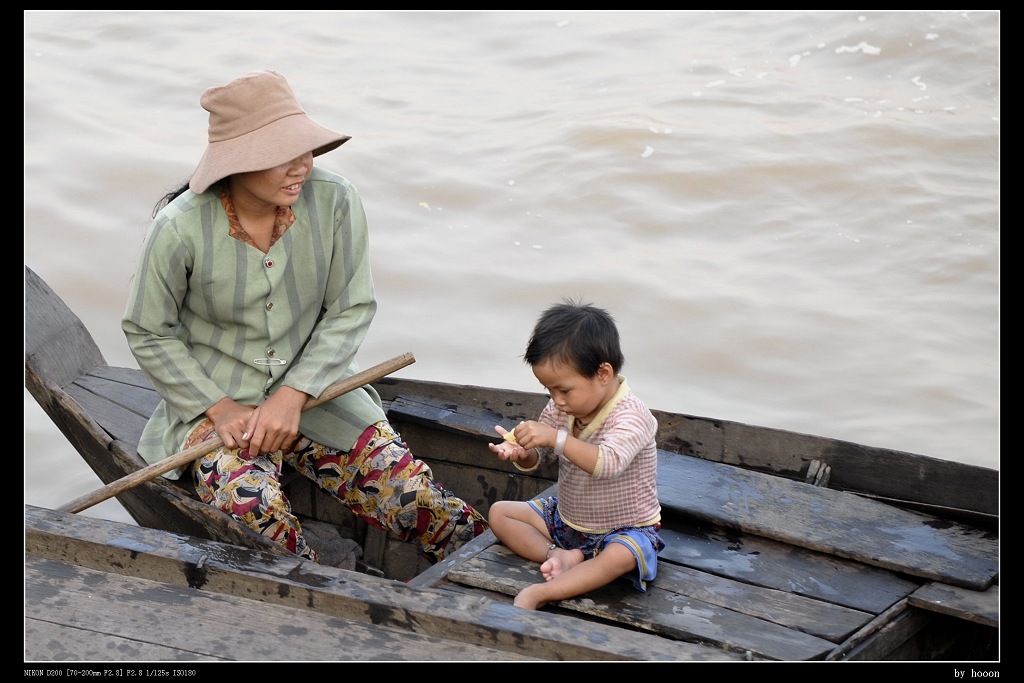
942 486
77 614
671 607
773 564
66 374
744 592
231 573
978 606
830 521
723 604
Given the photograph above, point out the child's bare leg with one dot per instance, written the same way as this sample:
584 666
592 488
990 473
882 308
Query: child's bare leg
611 563
519 527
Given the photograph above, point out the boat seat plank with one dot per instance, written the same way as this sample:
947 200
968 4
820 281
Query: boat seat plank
816 617
739 571
828 521
112 416
662 609
764 562
978 606
128 376
81 614
58 347
460 418
234 572
141 400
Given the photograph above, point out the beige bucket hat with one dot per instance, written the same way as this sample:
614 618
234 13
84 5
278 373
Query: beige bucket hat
256 123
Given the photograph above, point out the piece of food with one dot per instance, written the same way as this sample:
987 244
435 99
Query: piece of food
510 436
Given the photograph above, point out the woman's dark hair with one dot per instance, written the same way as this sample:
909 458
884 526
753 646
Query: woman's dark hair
169 197
578 334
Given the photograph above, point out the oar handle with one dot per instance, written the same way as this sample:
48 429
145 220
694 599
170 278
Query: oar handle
188 455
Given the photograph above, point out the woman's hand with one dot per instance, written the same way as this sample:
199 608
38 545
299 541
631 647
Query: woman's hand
231 422
274 426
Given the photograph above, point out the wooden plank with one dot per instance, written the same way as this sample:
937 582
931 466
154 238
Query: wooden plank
885 633
907 633
80 614
816 617
514 405
455 418
115 419
129 376
659 610
978 606
829 521
290 581
825 617
438 574
58 347
128 389
772 564
942 485
473 424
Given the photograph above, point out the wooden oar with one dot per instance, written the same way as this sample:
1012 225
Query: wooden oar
199 450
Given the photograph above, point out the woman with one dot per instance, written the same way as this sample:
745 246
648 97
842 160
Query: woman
253 293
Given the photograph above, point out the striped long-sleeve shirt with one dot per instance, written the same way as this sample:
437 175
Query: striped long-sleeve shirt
623 489
209 316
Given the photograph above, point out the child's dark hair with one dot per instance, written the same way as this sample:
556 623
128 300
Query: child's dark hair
577 334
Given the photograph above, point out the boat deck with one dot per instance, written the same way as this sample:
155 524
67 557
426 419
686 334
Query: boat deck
93 589
764 566
105 591
772 599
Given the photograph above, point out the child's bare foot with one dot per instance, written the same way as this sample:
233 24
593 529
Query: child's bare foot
559 562
528 598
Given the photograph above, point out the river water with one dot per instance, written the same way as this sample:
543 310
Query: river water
793 216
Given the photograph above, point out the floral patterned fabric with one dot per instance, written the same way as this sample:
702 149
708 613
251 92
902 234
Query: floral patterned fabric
379 480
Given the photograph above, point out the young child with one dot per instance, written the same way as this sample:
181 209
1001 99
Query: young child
604 521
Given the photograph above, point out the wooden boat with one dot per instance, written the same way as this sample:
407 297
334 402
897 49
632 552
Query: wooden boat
781 546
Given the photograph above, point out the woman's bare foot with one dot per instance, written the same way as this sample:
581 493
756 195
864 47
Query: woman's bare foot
559 562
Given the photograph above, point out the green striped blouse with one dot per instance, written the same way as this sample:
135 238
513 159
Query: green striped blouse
209 316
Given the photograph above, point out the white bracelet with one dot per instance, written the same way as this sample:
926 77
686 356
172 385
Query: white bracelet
560 441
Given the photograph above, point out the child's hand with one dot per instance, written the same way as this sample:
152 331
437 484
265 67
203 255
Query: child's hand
508 435
509 448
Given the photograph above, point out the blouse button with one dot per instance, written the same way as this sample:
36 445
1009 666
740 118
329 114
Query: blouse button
270 305
268 262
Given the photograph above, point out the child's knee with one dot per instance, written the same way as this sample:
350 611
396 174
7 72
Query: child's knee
502 510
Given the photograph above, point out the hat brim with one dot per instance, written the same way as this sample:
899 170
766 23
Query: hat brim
272 145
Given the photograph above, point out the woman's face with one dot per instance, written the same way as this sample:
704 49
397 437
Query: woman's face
278 186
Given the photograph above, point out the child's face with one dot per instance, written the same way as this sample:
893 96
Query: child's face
579 396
